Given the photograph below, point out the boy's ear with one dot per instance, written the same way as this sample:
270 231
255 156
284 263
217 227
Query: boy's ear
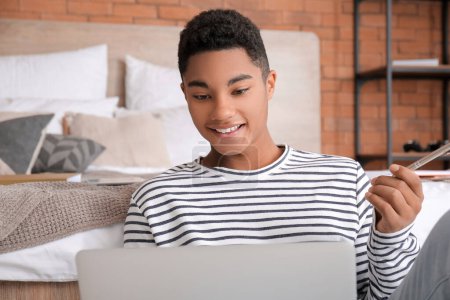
182 89
270 83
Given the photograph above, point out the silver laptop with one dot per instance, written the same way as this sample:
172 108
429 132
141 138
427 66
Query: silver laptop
321 270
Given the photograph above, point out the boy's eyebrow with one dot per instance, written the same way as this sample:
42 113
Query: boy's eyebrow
233 80
239 78
198 83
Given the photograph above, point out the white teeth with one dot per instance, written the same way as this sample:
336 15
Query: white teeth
228 130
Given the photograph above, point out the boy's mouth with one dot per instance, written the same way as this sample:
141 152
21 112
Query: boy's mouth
229 130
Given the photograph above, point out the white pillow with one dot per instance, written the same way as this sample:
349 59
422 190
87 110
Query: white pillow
78 74
99 107
150 87
183 141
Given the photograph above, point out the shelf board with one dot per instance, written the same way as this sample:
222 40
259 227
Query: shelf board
408 72
399 156
415 156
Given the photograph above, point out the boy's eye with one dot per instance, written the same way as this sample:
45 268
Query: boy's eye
240 91
201 97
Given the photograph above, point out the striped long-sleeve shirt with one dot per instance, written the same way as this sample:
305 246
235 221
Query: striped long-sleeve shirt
300 197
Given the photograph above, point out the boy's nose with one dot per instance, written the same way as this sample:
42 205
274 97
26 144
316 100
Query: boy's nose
223 109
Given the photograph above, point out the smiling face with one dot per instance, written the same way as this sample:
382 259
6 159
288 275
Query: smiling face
228 101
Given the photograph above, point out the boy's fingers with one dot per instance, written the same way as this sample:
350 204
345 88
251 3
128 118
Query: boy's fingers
388 220
408 176
383 207
393 187
404 208
389 195
403 179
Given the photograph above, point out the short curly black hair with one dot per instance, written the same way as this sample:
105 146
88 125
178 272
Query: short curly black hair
220 29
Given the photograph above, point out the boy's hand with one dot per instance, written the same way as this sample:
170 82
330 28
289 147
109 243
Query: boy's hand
397 199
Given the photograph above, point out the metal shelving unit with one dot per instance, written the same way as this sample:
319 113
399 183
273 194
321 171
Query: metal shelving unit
389 73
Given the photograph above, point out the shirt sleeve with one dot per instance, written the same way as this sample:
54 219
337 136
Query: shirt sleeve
391 256
365 220
383 259
137 231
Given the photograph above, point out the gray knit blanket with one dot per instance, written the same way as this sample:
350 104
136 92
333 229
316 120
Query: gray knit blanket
35 213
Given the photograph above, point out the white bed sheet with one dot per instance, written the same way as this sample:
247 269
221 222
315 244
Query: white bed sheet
55 261
435 205
125 170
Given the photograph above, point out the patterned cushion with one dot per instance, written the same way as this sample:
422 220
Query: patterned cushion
61 153
21 139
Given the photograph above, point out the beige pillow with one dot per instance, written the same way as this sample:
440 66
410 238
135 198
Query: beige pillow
133 141
5 169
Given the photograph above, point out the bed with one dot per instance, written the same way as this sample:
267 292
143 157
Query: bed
40 271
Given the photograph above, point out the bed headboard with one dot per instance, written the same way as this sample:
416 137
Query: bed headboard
294 113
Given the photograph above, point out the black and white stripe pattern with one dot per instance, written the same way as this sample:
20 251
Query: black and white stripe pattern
301 197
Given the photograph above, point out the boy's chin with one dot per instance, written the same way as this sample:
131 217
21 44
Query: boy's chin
230 148
229 151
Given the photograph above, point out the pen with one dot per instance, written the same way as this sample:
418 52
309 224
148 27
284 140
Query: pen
435 154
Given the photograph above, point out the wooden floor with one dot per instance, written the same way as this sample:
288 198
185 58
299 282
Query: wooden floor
17 290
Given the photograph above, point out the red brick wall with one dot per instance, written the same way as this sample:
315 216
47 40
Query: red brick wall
417 106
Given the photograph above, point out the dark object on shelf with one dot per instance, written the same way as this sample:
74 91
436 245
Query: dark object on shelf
412 145
434 145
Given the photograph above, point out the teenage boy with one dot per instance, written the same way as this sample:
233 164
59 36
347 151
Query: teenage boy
248 190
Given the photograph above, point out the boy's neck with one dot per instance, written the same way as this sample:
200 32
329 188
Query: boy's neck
251 159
